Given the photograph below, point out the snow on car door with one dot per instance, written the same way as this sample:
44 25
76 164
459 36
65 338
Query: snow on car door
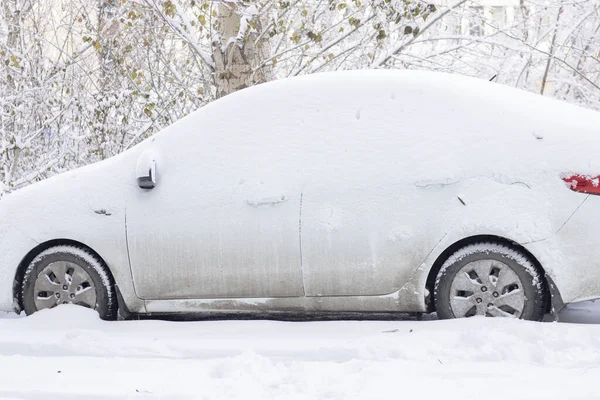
361 239
218 224
366 225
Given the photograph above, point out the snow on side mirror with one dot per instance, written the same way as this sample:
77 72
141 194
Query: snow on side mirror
146 170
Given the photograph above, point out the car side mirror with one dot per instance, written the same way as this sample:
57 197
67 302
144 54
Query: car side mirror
146 171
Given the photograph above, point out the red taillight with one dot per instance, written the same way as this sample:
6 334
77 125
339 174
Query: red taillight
584 184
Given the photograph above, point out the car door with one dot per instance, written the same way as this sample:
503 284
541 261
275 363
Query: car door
368 219
221 222
363 233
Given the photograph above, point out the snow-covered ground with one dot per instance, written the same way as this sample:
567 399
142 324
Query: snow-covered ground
69 353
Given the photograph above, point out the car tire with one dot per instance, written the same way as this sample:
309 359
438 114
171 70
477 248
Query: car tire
489 279
68 275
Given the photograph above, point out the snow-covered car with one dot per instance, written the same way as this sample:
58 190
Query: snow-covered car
365 191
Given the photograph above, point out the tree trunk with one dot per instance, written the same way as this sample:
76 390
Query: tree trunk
14 10
238 47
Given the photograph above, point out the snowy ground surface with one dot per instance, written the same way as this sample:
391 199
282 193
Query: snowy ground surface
69 353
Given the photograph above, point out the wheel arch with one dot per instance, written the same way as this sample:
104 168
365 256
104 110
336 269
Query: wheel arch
553 303
22 267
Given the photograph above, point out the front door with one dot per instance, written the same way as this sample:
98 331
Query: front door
215 225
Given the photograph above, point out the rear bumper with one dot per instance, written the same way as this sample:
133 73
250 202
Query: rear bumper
571 257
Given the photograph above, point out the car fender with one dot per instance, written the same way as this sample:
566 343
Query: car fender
91 203
523 215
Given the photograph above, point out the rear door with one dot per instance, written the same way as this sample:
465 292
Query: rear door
365 230
367 221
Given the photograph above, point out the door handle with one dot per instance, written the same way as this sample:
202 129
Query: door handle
268 201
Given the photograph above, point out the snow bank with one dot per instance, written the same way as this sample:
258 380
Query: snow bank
68 352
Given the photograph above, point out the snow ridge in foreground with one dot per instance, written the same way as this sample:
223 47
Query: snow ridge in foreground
69 352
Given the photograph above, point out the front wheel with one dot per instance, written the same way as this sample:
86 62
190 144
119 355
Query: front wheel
489 279
68 275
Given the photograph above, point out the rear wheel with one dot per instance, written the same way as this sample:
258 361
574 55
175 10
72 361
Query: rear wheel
68 275
489 279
